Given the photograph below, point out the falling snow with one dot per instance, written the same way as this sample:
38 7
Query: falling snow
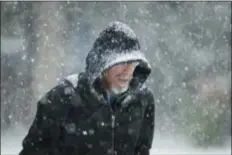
188 45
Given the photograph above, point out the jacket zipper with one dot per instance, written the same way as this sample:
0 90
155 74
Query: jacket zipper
113 125
113 117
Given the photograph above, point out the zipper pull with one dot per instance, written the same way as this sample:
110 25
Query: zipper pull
113 121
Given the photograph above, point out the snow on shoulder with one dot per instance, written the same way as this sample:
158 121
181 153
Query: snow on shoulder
73 78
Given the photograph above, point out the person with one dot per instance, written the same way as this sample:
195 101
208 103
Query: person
106 109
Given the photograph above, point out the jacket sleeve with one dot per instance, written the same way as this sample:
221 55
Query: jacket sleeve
39 140
144 142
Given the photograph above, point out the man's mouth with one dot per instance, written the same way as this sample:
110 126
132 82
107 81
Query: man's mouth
124 78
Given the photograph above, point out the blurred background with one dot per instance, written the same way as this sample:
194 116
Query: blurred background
187 43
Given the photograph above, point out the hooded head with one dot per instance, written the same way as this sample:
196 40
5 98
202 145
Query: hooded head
116 44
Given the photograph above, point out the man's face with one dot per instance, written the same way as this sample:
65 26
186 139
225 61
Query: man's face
120 75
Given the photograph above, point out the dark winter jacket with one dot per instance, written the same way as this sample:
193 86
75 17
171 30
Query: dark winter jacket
75 118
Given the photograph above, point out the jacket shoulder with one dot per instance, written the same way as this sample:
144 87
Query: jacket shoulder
73 79
67 86
59 99
146 94
146 91
62 91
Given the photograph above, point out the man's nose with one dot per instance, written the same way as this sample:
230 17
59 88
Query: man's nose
128 67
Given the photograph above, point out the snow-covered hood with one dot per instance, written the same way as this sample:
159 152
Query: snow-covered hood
116 44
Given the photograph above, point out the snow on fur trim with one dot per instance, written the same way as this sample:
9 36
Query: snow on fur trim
124 57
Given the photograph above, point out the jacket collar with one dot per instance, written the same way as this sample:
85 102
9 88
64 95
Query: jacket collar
97 93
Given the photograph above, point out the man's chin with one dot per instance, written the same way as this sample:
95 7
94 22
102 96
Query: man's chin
120 89
123 85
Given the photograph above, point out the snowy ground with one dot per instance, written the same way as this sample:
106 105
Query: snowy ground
162 145
11 145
